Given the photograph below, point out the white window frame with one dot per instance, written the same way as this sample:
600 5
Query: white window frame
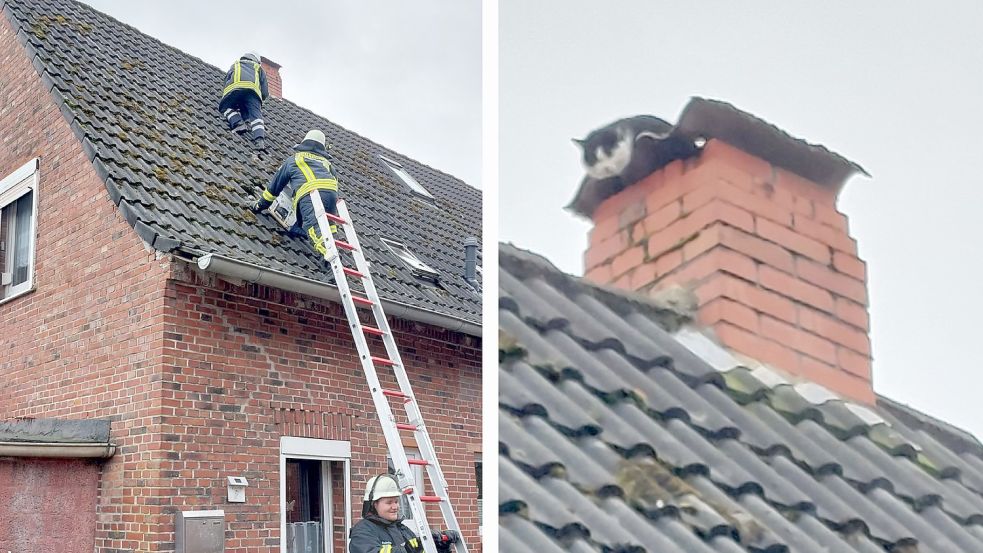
292 447
411 453
12 188
418 267
404 175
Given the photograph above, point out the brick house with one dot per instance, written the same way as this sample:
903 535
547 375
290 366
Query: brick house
706 385
197 341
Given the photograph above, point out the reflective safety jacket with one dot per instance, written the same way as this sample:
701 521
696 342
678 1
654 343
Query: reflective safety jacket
246 74
374 534
307 170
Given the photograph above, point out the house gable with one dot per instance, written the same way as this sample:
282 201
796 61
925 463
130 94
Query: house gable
184 183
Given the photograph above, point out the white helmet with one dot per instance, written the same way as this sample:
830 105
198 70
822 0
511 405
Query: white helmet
381 486
315 135
252 56
376 488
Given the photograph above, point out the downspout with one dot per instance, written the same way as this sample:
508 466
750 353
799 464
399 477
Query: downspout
249 272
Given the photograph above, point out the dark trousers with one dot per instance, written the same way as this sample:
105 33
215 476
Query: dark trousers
244 104
307 220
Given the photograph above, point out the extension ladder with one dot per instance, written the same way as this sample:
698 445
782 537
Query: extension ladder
381 397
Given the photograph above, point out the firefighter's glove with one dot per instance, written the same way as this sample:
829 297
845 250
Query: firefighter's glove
260 205
443 540
413 545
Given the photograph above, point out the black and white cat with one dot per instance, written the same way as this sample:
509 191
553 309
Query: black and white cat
609 151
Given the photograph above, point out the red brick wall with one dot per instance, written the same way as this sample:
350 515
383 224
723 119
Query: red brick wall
246 365
766 251
196 375
87 341
47 505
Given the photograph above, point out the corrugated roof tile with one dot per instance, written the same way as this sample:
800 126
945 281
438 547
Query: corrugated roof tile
686 456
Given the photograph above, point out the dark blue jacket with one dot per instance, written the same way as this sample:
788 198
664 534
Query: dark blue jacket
246 74
307 170
374 534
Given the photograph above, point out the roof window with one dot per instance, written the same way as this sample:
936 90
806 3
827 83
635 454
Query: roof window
417 267
408 180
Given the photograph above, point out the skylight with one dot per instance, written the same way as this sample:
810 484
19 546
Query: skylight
417 267
407 178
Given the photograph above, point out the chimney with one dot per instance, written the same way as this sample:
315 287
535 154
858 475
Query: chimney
749 223
273 81
471 260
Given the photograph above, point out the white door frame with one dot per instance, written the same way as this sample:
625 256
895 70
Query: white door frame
292 447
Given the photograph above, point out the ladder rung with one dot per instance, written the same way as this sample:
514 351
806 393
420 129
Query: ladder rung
335 219
372 330
393 393
352 272
363 301
403 426
383 361
344 245
422 462
431 499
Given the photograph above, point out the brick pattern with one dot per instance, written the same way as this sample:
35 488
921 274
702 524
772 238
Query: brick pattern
766 251
273 82
200 378
244 365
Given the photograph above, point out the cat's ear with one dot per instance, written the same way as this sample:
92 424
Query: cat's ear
578 142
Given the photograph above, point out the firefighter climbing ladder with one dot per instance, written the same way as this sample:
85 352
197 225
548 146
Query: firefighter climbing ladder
381 397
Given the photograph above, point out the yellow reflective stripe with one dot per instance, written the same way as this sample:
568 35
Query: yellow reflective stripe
304 168
238 83
313 183
267 196
318 184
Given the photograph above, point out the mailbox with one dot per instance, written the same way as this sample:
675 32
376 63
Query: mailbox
200 532
237 488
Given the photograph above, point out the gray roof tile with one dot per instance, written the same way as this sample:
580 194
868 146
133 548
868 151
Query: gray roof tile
682 455
162 148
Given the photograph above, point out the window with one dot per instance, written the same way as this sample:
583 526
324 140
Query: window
418 267
18 212
407 178
404 503
477 478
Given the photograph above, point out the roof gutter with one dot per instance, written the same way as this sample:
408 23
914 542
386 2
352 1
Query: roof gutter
57 450
249 272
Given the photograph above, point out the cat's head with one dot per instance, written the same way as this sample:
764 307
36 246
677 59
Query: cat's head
607 151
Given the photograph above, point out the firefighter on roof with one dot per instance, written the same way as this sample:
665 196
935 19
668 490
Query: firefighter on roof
308 170
242 98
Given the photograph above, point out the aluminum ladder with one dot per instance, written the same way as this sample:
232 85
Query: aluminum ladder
380 396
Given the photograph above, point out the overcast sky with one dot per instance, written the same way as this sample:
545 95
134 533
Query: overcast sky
894 86
404 74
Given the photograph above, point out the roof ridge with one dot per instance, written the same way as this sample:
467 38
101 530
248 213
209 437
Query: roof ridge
295 104
673 308
98 69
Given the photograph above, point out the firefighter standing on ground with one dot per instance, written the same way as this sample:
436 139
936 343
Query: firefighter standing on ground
243 96
306 171
381 529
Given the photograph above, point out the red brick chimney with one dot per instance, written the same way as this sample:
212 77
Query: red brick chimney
749 222
273 81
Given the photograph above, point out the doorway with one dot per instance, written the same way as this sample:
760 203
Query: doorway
315 495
